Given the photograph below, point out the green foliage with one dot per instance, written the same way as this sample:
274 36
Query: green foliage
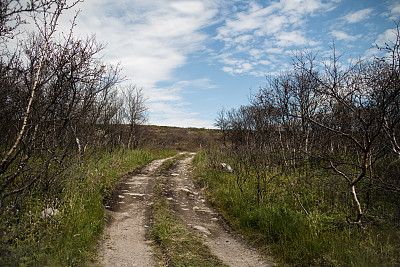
68 238
320 239
169 164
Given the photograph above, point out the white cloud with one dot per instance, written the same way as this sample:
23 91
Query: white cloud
274 27
294 38
304 6
256 53
395 11
341 35
273 24
388 37
358 16
229 70
203 83
239 67
245 21
166 114
151 39
274 50
171 110
243 39
264 62
169 94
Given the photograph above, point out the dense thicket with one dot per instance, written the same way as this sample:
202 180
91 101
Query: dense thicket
328 126
58 100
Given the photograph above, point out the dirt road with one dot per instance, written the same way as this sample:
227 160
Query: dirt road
125 241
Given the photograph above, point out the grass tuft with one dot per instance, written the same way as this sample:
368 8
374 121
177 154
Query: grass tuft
169 164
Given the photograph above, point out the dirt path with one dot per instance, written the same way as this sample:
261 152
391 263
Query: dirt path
192 208
125 241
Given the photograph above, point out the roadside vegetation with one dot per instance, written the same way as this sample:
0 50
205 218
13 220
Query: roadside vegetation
276 223
314 162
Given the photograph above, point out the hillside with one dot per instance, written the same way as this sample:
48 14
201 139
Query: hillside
182 139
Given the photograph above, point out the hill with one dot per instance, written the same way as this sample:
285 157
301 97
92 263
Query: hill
182 139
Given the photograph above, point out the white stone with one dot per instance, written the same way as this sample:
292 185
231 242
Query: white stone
49 212
226 167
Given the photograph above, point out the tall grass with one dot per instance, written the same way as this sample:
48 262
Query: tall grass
69 238
295 239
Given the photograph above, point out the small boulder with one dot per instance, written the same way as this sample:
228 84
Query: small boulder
226 167
49 212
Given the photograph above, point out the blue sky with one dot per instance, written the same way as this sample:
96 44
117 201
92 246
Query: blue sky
194 57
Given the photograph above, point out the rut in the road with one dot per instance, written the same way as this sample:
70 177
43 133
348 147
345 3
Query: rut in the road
192 208
124 242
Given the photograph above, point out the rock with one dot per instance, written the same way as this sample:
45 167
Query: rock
186 190
49 212
202 229
226 167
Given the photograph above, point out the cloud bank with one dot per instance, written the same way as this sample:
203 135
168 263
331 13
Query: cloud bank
151 39
159 42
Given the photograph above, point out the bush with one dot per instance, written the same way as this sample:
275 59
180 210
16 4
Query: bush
279 225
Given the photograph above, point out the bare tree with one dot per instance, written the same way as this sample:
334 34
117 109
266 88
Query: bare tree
13 14
388 80
54 90
135 113
223 124
342 119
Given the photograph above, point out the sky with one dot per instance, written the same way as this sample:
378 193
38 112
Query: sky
194 57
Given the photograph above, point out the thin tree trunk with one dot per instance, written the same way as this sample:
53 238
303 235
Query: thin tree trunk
34 87
359 208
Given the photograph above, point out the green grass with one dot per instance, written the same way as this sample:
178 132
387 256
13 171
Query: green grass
176 245
68 239
169 164
294 238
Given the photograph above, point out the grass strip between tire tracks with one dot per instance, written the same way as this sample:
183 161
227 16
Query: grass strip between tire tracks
175 244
